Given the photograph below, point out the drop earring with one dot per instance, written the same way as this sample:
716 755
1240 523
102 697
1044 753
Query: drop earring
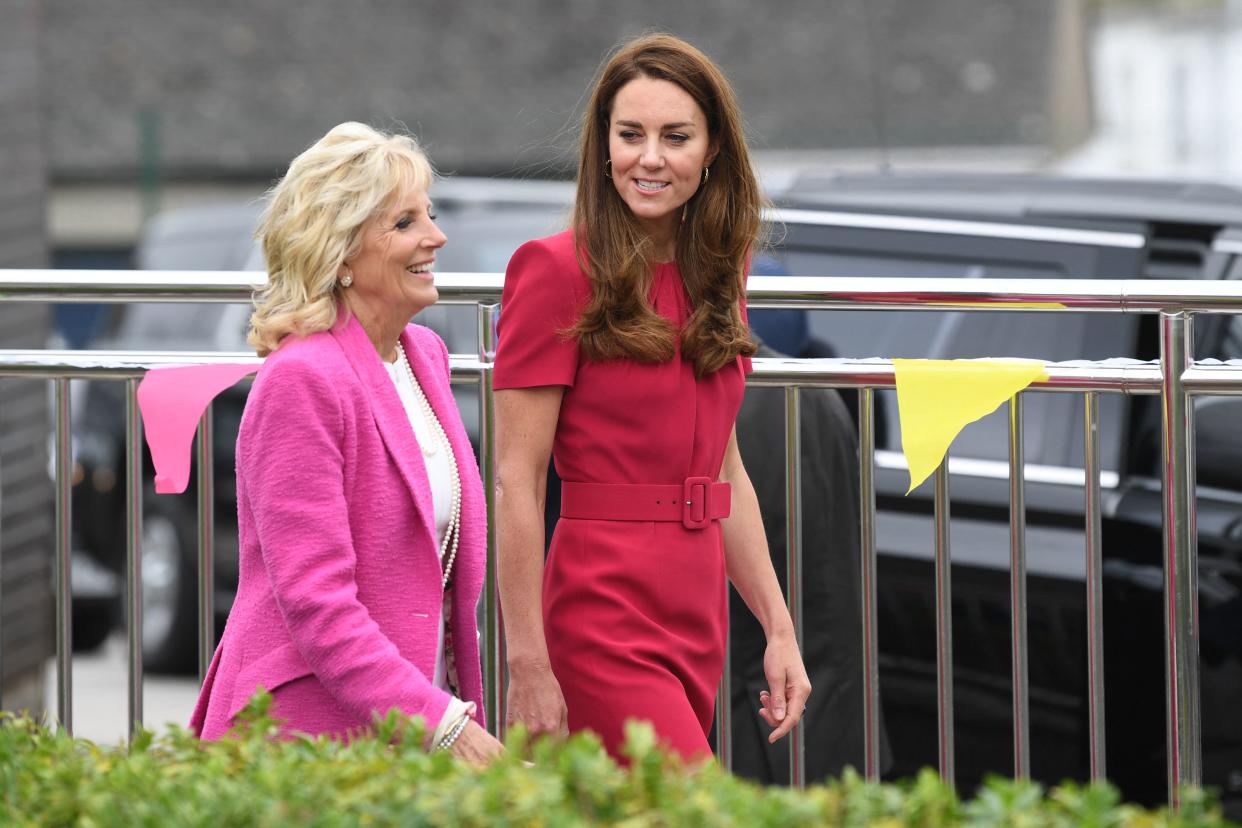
608 168
347 279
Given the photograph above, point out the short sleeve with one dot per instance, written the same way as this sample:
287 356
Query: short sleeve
542 298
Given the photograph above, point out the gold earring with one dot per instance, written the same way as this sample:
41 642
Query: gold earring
706 172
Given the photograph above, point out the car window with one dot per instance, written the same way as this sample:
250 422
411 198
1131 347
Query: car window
1055 337
482 241
1229 344
182 327
170 327
216 237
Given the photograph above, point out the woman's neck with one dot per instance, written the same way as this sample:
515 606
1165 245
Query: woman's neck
663 235
382 328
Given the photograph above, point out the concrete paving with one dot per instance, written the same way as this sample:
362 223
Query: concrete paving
101 695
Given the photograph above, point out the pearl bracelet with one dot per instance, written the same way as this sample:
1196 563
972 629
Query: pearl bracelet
453 733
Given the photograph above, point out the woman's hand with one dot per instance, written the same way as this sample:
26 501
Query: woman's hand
476 746
785 700
535 700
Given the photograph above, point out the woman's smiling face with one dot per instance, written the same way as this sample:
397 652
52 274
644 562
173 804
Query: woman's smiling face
392 270
658 143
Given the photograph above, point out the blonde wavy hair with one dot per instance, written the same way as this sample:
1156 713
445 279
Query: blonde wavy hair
314 220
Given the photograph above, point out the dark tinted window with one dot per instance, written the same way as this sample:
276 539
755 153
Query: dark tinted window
1053 422
482 240
182 327
1229 344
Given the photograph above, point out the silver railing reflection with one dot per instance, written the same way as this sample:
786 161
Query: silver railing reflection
1175 302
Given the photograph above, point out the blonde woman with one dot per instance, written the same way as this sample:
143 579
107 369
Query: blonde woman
360 509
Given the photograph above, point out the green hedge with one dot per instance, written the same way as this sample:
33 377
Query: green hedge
47 779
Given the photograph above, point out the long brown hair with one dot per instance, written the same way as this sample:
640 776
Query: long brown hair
721 227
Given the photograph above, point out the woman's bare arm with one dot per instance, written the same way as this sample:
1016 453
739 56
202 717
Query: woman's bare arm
749 565
526 424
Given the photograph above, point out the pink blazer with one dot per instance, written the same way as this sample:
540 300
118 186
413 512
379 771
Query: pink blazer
339 594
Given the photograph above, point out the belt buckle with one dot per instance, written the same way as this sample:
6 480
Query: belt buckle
696 496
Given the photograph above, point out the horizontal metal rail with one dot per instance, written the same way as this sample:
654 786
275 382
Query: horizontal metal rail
124 286
1201 379
816 292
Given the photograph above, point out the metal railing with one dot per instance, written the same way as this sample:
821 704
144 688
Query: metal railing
1175 302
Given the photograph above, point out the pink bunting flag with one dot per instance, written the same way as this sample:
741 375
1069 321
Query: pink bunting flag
172 401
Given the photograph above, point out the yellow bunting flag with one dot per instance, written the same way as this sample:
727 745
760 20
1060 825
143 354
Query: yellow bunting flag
937 398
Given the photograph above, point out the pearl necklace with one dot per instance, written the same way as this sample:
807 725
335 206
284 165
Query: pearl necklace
448 547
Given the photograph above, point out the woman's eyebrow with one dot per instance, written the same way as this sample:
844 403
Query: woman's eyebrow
637 125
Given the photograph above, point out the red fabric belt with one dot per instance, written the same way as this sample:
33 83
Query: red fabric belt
694 503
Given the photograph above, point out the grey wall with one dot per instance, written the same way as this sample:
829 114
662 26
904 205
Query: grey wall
25 494
239 87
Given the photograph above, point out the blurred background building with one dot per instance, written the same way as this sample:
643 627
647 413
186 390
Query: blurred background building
155 104
1167 77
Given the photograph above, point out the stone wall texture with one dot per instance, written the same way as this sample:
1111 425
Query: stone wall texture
25 491
237 87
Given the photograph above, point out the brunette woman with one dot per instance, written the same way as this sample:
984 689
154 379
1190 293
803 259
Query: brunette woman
623 353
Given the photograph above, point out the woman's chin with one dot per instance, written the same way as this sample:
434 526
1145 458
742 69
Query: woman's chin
424 297
655 214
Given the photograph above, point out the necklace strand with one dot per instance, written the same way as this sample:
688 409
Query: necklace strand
448 547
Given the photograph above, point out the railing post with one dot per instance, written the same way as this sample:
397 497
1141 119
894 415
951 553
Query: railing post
793 551
206 543
64 594
494 667
1095 586
1017 594
133 550
724 701
870 643
944 624
1181 575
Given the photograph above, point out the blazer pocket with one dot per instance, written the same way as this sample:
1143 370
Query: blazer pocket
279 667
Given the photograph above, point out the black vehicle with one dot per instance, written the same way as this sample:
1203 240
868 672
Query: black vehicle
948 227
1031 227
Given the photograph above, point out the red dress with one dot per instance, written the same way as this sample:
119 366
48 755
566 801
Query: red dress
635 613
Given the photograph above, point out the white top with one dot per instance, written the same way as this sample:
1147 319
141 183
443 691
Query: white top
439 472
439 475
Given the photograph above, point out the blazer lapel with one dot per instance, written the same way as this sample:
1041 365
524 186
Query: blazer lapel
390 419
